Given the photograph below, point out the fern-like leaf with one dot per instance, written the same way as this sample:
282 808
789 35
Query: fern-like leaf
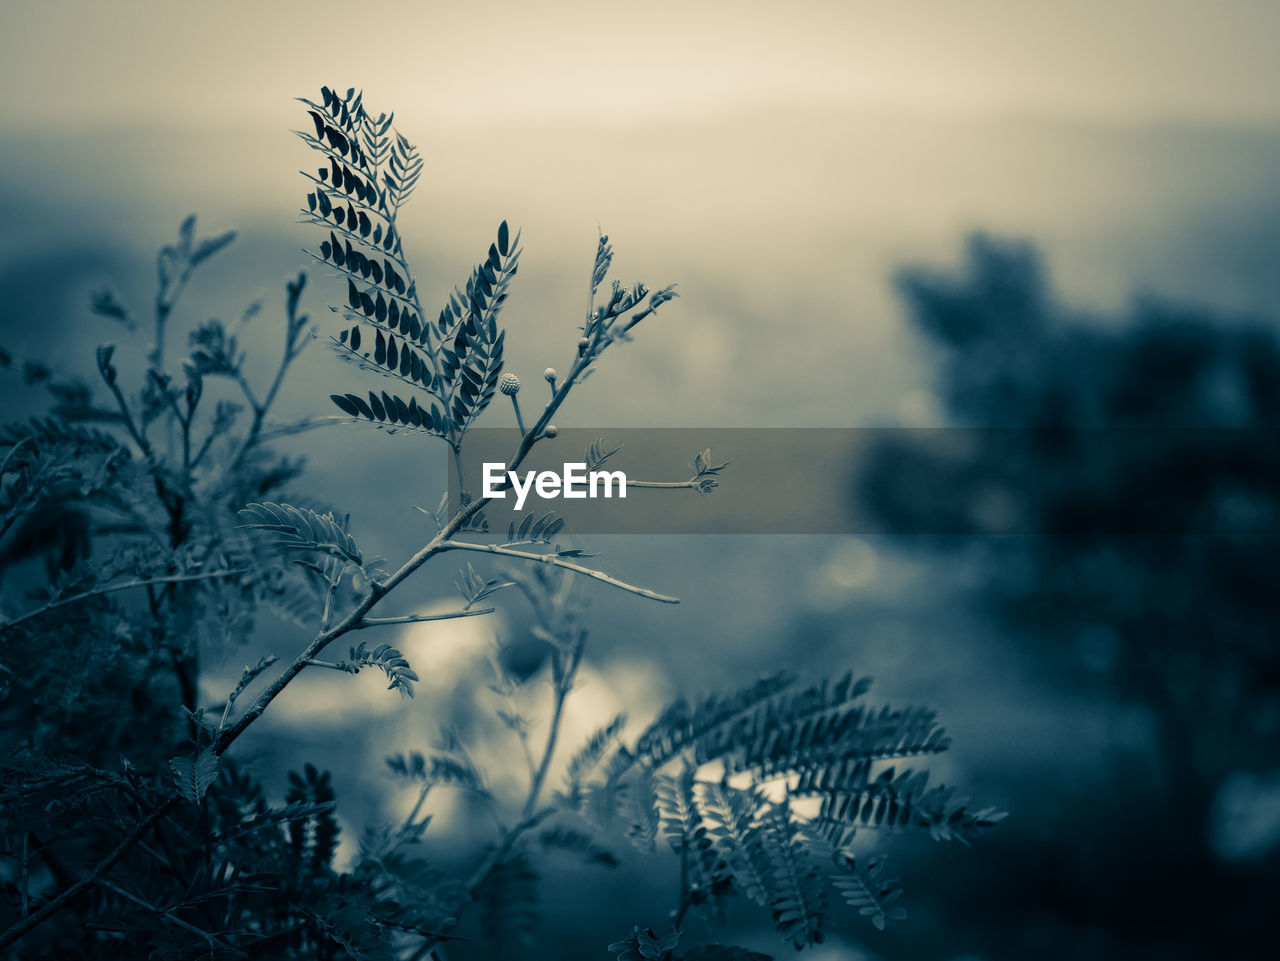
590 755
871 891
799 901
438 769
731 816
890 802
561 838
681 725
400 675
313 839
302 529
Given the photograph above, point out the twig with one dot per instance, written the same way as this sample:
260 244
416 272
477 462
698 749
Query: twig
417 805
482 872
26 874
298 427
13 452
666 485
416 618
172 918
556 561
99 871
111 589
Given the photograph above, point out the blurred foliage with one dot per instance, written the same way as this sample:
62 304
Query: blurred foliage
1134 458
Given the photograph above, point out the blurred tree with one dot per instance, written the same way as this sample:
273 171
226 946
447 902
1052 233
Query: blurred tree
1139 474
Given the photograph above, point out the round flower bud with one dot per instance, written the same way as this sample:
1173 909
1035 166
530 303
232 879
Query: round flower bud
509 384
549 375
551 431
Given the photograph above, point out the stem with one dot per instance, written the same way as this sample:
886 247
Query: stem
519 420
298 427
535 787
481 873
26 874
172 918
416 618
417 806
666 485
334 579
100 870
138 437
260 409
685 900
111 589
464 495
556 561
13 451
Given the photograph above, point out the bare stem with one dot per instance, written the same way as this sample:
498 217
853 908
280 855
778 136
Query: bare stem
666 485
535 788
212 939
56 904
515 405
111 589
417 618
556 561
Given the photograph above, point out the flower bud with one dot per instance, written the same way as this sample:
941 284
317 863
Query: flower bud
509 384
551 431
549 375
105 367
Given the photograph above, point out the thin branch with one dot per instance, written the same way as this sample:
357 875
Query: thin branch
556 561
172 918
13 452
26 873
417 806
298 427
100 870
482 872
111 589
535 787
416 618
667 485
127 416
335 578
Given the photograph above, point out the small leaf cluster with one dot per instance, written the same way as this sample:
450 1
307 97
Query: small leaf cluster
400 675
451 362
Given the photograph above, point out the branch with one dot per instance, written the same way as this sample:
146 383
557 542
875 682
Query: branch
556 561
300 426
482 872
21 927
668 485
415 618
212 939
293 328
111 589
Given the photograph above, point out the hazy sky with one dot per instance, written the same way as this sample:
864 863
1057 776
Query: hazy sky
779 160
492 62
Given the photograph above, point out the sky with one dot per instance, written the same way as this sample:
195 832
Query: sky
482 65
